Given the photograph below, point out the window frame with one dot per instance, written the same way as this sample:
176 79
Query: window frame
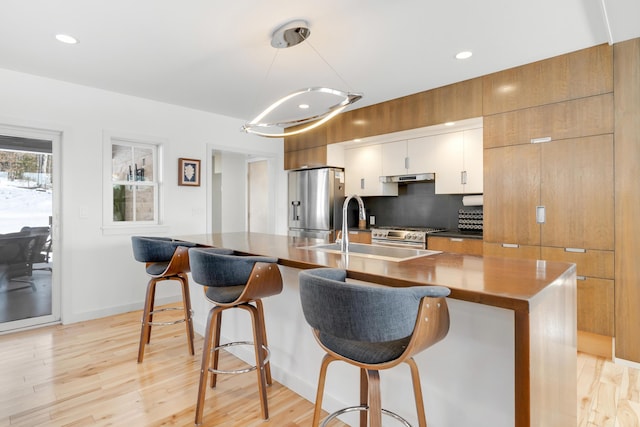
109 225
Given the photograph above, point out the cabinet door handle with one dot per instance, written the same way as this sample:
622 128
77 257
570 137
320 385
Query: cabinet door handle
540 140
362 183
463 177
575 250
406 163
581 278
540 214
510 245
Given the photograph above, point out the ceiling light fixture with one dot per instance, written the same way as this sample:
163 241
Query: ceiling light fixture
464 54
65 38
288 35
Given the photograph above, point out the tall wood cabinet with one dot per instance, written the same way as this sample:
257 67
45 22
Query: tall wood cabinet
627 158
549 172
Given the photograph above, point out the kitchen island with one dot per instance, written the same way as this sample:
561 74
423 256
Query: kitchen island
509 358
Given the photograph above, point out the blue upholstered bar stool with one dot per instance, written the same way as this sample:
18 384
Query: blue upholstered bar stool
234 281
372 328
165 259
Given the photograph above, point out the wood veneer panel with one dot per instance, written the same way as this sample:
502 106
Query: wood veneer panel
627 200
511 194
314 138
310 157
553 359
595 345
595 306
360 237
457 245
591 263
571 119
457 101
574 75
520 252
577 190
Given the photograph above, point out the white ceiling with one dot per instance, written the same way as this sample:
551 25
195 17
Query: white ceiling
215 56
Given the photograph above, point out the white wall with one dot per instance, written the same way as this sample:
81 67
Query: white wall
97 272
234 191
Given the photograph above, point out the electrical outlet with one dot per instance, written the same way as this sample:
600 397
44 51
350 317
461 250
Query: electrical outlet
372 220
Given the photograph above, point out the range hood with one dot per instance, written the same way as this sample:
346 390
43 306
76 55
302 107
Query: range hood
418 177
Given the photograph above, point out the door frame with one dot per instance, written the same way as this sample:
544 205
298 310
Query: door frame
55 136
274 164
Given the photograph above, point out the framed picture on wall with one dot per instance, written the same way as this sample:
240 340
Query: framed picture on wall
189 172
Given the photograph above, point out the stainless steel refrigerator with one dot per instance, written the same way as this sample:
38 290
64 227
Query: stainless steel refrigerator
315 202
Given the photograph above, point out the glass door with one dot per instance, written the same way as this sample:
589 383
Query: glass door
28 295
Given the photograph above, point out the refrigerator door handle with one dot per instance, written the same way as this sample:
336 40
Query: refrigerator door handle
296 216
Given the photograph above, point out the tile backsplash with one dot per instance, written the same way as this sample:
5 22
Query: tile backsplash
416 205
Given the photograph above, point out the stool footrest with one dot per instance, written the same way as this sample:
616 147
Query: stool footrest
343 411
240 371
173 322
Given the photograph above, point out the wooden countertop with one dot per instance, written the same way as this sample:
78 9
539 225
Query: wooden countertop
500 282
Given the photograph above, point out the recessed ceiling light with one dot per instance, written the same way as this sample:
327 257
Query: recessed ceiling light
464 54
303 106
450 123
65 38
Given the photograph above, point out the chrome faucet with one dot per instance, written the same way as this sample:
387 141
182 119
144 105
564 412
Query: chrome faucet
344 242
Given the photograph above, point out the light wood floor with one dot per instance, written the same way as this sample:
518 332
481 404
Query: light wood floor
86 374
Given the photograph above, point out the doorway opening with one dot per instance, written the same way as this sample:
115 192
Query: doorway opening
258 196
242 195
28 296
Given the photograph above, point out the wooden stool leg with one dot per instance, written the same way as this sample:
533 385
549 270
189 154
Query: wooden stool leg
417 392
364 395
186 303
152 305
317 412
217 324
375 406
204 367
267 367
258 334
145 329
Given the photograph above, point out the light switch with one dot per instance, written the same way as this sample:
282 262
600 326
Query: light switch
84 212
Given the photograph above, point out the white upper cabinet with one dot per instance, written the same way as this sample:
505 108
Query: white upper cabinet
394 158
459 156
363 168
473 161
420 153
408 157
454 154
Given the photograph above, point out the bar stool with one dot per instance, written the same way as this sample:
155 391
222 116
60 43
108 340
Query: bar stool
234 281
166 259
372 328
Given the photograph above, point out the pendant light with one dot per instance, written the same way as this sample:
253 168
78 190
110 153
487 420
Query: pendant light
288 35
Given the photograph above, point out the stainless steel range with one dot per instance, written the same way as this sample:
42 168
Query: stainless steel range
413 237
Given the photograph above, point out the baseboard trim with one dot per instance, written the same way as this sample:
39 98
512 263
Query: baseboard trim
595 344
113 310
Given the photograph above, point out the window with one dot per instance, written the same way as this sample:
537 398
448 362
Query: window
132 188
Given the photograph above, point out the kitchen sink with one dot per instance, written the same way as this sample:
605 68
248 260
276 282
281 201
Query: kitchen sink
386 253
